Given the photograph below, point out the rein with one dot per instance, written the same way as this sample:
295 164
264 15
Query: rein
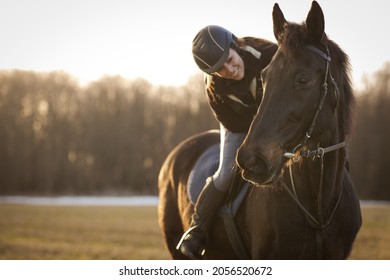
317 223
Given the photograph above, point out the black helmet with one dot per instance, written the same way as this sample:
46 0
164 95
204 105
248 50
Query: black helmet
210 48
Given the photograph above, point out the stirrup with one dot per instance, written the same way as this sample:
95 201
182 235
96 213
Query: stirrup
183 238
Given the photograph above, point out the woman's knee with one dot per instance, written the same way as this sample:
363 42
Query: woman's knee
222 180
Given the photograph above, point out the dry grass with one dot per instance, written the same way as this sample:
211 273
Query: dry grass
94 233
75 232
373 241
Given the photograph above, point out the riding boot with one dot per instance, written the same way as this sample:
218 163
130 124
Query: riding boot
193 242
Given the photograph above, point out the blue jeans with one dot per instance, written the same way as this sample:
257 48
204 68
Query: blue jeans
230 142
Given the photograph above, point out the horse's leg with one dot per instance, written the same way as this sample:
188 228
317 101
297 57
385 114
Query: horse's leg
169 218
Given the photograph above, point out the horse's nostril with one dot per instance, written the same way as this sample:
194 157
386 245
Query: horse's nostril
257 165
253 165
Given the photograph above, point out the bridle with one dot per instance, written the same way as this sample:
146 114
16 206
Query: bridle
295 156
320 151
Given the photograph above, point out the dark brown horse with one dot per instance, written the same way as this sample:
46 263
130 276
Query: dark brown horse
302 204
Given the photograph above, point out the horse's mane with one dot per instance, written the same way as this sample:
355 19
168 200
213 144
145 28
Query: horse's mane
295 36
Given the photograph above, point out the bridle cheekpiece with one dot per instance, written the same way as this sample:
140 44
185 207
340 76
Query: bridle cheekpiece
295 156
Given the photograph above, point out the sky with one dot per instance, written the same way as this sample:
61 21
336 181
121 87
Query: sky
151 39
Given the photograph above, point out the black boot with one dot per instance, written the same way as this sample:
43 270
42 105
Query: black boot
193 242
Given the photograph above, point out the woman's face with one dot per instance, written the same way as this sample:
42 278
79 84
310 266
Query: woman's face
233 68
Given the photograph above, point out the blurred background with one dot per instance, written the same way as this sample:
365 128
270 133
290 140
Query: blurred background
111 136
95 94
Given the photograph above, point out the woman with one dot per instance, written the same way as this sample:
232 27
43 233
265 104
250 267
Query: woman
232 66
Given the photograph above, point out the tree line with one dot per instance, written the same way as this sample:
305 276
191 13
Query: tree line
108 137
370 146
111 136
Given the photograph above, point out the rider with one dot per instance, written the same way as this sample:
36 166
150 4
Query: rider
232 69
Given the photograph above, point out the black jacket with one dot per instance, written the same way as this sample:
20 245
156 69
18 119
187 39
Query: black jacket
231 101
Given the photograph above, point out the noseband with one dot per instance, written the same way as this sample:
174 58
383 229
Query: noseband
295 156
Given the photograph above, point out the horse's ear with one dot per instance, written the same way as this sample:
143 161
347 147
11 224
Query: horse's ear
315 23
279 21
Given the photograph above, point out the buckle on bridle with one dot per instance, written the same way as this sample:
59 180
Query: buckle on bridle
314 154
319 153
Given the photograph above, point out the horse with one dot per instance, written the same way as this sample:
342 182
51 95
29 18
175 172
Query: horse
302 203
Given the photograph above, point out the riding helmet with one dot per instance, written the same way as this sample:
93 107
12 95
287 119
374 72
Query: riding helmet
210 48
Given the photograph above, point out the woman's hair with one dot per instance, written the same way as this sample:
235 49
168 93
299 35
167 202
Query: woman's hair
237 43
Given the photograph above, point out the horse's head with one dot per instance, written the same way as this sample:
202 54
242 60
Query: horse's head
293 104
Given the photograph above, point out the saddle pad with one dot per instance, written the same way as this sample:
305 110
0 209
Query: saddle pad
206 165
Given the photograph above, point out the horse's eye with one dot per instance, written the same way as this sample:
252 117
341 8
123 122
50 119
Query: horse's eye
303 81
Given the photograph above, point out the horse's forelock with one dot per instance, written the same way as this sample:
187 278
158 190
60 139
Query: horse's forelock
293 37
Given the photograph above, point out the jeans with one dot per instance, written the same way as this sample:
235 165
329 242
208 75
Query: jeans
230 142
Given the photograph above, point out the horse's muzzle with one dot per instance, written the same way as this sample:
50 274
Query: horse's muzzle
255 168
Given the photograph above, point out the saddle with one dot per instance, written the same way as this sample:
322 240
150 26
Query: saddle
206 165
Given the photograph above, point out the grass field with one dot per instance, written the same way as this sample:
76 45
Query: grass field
95 233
